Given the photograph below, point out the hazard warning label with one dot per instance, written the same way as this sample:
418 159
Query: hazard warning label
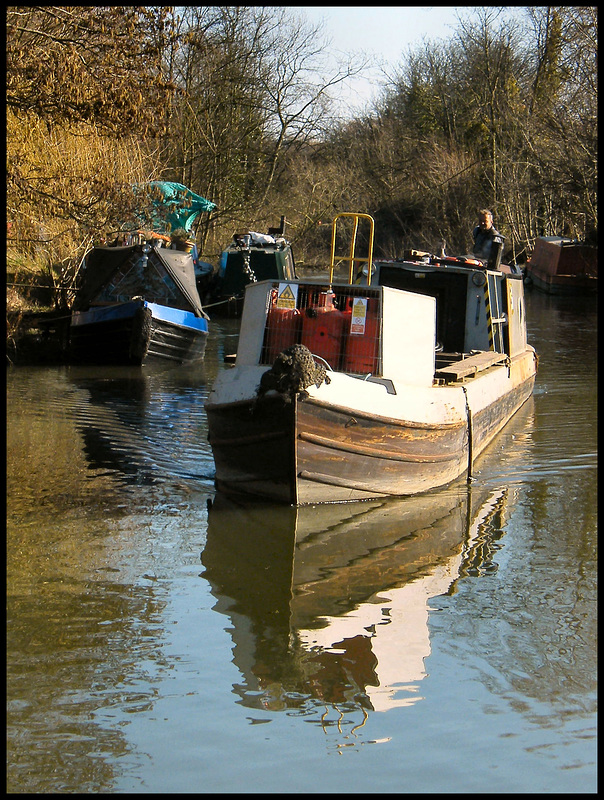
287 296
359 315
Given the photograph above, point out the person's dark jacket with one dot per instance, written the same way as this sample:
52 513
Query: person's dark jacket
483 240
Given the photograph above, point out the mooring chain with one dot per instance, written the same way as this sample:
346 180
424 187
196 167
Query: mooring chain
246 266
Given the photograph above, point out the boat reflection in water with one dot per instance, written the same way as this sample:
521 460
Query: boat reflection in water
330 603
141 426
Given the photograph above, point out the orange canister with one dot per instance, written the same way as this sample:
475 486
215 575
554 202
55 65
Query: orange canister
323 329
283 327
361 350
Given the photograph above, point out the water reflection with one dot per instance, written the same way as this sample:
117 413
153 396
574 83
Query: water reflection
330 603
84 643
88 552
143 426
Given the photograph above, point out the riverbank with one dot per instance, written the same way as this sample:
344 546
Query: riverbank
36 337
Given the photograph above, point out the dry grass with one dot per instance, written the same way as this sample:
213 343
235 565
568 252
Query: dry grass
64 188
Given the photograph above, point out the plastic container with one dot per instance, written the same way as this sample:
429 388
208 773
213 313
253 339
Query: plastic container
283 326
361 350
323 329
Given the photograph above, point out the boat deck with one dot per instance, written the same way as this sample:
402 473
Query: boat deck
469 367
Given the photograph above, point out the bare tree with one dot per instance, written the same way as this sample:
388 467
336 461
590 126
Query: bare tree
254 92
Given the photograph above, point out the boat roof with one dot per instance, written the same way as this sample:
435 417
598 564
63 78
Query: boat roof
562 241
103 262
450 264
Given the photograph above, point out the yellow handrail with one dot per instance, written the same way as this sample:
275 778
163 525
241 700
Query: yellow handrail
352 257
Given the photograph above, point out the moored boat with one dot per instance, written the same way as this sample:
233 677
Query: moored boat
248 258
563 266
342 391
138 300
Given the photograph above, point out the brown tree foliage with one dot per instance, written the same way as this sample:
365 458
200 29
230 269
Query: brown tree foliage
504 115
255 91
80 85
87 64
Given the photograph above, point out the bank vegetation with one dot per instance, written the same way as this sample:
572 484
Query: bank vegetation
237 104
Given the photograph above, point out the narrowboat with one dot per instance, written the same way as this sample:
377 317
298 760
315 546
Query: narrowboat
342 391
138 304
563 266
138 300
250 257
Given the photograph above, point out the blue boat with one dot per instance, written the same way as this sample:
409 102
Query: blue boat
138 300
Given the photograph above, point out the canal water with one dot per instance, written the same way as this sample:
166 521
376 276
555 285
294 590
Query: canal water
160 639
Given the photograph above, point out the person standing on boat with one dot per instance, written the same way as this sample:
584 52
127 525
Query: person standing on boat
484 234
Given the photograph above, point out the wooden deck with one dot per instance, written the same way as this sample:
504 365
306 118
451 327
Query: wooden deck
468 367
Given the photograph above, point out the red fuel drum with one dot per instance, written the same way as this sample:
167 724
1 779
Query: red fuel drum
282 329
323 329
361 350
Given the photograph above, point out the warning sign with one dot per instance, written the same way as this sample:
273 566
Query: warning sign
288 295
359 315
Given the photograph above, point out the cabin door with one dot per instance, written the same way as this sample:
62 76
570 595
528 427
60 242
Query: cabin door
495 315
516 317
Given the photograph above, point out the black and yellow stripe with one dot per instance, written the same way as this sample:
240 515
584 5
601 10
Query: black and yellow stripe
487 308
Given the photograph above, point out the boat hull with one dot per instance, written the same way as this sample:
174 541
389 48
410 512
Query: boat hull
137 333
563 267
254 448
320 449
571 285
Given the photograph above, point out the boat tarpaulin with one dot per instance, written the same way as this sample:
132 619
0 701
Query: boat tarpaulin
116 274
171 205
